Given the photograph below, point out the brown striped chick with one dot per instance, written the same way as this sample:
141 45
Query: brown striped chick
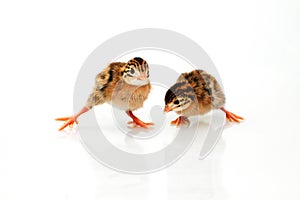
124 85
196 93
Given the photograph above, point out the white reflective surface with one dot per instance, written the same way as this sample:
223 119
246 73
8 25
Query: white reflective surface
255 46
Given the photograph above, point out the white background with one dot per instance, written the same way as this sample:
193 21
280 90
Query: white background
255 46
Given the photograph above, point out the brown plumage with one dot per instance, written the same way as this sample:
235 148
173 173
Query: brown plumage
124 85
196 93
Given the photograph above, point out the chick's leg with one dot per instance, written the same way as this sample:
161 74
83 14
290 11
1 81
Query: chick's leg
180 120
69 121
232 117
136 121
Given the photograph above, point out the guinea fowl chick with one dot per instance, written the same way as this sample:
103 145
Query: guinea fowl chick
124 85
196 93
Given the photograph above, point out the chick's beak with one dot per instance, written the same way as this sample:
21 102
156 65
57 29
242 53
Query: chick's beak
141 78
167 109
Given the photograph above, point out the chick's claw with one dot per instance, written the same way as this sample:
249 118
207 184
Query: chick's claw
69 121
139 123
232 117
180 120
136 121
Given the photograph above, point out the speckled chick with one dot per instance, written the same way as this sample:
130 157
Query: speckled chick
196 93
124 85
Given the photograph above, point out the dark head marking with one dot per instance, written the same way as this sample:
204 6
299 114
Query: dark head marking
179 89
139 60
169 96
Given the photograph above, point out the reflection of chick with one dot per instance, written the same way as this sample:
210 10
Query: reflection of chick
124 85
194 93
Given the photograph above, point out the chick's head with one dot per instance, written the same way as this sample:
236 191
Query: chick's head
136 72
179 97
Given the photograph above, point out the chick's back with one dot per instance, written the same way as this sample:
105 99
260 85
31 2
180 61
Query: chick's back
206 88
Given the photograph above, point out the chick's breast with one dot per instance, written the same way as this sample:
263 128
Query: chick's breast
111 88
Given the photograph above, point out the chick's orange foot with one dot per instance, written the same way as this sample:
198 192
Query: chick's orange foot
136 122
232 117
140 124
69 121
180 120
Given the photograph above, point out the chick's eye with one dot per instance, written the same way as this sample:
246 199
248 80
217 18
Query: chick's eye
132 71
176 102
